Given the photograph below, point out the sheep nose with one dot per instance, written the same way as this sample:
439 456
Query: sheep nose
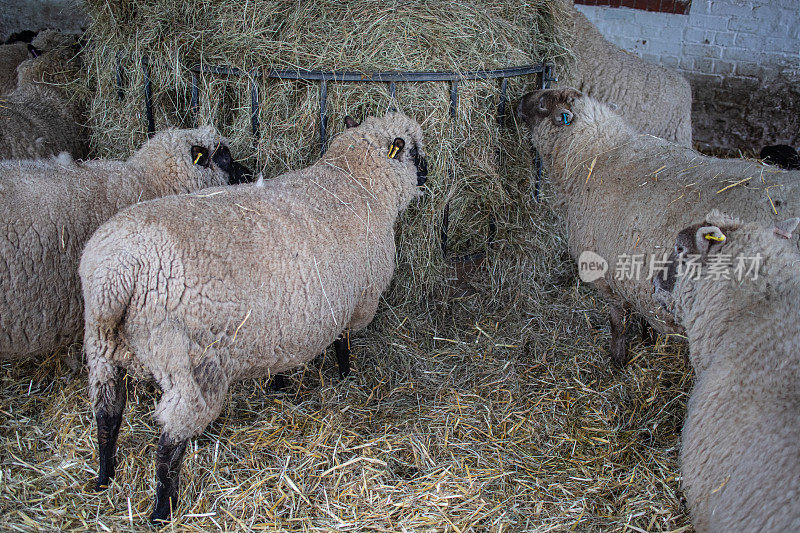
240 174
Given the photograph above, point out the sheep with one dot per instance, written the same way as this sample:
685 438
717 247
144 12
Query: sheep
50 208
781 155
40 118
740 455
278 271
11 55
653 99
624 192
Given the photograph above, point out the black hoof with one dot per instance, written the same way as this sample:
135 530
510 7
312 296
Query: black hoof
162 512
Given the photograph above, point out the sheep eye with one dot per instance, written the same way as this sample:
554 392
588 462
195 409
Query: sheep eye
200 156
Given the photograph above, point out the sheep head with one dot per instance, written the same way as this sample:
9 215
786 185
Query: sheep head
548 104
175 159
405 131
701 250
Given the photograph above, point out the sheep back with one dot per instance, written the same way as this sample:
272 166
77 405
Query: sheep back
740 452
50 208
653 99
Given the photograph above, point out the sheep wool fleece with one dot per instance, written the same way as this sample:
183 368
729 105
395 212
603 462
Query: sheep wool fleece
626 193
740 451
230 283
40 117
49 209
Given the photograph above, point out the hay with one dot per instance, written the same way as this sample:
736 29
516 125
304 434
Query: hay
480 167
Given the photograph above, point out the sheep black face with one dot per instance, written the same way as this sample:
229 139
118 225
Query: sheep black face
781 155
419 160
555 104
222 158
422 166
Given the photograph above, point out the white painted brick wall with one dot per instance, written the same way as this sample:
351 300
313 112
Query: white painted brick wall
738 46
755 33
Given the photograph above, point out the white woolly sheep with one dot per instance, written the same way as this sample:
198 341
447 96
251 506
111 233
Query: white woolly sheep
50 208
624 192
39 117
651 98
200 291
11 55
740 457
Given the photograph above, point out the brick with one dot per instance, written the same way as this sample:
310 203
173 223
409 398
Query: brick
670 61
741 54
700 7
748 41
723 67
663 47
704 64
739 9
745 68
686 63
725 38
704 80
748 24
709 22
651 58
702 50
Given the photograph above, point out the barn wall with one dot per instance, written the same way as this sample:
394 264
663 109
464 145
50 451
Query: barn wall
19 15
741 56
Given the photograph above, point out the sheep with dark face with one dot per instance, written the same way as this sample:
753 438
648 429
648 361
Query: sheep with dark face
625 192
50 207
279 269
740 454
781 155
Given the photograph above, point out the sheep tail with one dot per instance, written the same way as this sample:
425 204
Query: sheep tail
107 296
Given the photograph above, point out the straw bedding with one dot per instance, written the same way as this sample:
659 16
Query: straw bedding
466 434
481 399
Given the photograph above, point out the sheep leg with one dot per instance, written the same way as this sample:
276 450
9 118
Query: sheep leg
168 468
342 347
649 334
109 419
619 353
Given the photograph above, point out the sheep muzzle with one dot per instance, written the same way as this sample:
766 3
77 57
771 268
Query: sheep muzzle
422 166
237 173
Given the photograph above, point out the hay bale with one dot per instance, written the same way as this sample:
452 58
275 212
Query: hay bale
478 166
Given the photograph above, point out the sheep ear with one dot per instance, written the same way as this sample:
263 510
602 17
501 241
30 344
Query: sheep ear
542 104
785 228
396 147
572 94
708 239
350 122
200 156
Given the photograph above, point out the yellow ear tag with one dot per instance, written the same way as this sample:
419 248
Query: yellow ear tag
712 237
393 151
196 159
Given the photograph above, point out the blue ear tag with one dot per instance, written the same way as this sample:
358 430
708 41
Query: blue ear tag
565 119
